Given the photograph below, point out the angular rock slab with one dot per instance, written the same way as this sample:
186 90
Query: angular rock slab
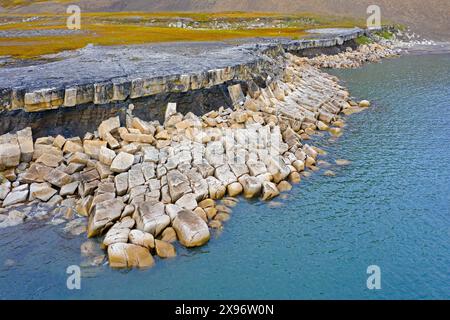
151 217
122 162
126 255
178 184
41 191
104 215
191 230
143 239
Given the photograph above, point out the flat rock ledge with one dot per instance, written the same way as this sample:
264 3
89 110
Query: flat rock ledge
38 88
143 185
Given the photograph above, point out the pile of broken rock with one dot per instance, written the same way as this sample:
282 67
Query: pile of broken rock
143 185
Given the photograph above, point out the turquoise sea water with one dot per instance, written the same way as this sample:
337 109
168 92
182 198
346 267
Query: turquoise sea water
390 207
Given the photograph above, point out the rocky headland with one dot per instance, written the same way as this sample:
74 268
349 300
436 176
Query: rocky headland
143 184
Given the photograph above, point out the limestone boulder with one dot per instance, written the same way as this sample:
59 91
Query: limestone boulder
135 177
17 195
207 203
119 232
72 147
143 126
172 210
40 149
106 155
140 238
284 186
187 201
151 217
169 235
216 188
251 185
151 154
171 110
310 151
50 160
5 188
104 215
101 197
310 162
191 230
58 178
322 126
256 167
269 191
69 189
236 94
122 162
9 151
294 177
59 142
234 189
239 169
178 184
210 212
225 175
364 103
127 255
121 183
281 172
164 249
83 206
107 126
41 191
79 158
25 139
92 148
299 165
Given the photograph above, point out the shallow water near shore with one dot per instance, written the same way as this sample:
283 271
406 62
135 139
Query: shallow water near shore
390 207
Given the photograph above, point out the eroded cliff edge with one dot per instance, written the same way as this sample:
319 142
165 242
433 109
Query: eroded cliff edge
73 95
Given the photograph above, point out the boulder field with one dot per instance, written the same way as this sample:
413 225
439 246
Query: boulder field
143 185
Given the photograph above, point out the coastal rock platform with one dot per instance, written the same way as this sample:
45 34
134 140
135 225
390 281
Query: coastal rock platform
74 91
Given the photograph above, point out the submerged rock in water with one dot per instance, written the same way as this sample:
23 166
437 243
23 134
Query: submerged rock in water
364 103
126 255
9 263
105 213
89 248
342 162
329 173
17 195
284 186
76 227
13 218
269 191
164 249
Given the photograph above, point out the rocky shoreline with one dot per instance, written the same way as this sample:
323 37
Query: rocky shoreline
142 185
